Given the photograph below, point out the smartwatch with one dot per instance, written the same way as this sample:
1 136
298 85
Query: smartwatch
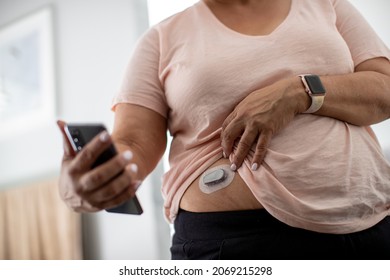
316 91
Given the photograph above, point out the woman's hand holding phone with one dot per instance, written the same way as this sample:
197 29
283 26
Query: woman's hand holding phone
105 186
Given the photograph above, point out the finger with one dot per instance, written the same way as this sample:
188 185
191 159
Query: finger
68 150
261 149
110 192
228 120
118 200
104 173
117 191
245 144
90 152
85 207
229 136
225 124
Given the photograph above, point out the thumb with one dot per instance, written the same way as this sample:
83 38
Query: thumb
68 150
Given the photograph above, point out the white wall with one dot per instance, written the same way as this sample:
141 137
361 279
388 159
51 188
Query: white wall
93 42
90 58
159 10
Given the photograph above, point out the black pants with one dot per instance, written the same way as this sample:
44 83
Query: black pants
255 234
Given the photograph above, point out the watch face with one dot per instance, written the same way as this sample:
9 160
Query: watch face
315 85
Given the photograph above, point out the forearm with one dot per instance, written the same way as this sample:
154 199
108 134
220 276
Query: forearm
361 98
143 132
145 160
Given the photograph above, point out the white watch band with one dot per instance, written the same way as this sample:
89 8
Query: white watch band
316 103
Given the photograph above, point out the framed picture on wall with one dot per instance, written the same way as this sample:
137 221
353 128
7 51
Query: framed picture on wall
27 87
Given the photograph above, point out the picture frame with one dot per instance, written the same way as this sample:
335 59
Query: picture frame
27 86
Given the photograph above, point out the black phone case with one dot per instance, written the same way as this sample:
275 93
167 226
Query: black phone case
81 134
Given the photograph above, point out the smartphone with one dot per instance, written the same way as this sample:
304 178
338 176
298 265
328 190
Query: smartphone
79 135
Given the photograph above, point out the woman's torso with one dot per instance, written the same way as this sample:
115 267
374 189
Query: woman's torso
316 168
236 196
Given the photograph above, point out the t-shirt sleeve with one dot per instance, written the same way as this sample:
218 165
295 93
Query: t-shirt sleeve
362 40
141 84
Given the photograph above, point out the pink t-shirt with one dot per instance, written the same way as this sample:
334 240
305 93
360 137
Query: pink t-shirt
320 173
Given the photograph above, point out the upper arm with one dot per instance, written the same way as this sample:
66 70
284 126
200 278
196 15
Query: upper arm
379 64
379 71
140 106
362 40
142 84
143 131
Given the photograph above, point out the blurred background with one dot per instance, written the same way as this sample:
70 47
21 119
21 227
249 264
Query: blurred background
86 46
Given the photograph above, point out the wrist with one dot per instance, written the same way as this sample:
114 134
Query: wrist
301 100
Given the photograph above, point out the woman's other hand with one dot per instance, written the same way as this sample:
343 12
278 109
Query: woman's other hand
258 117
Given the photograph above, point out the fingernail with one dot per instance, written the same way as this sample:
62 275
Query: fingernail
133 167
104 136
255 166
224 155
127 155
233 167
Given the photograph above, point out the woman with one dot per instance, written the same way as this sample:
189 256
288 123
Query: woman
266 161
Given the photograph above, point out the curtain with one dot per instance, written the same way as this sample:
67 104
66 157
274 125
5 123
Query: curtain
36 225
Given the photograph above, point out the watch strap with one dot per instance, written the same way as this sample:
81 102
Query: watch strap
316 104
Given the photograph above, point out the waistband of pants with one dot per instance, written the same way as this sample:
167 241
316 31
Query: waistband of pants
221 225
